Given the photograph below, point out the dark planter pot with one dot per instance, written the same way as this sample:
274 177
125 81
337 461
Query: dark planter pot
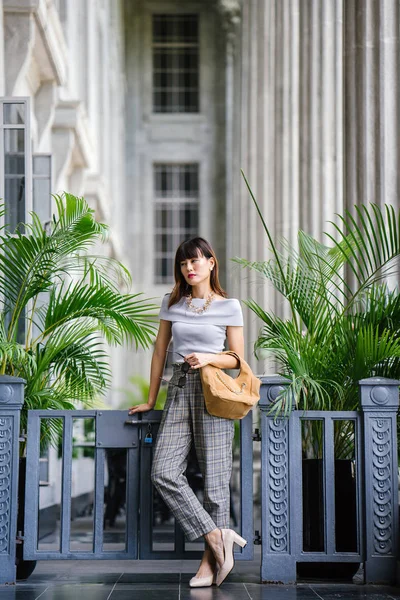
313 519
24 567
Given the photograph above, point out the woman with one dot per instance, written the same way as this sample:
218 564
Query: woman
200 317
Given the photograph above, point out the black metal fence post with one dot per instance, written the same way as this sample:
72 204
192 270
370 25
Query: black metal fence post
11 400
278 562
379 399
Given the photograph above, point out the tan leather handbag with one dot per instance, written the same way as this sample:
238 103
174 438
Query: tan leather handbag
228 397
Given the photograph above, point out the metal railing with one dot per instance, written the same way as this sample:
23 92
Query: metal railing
114 431
291 487
297 499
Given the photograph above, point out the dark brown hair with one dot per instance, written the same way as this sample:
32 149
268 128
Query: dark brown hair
191 249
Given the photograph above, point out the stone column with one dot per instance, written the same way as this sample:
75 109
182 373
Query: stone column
372 102
291 132
2 64
11 400
320 124
253 154
230 14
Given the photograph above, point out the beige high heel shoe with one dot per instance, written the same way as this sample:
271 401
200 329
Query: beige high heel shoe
201 581
204 581
229 537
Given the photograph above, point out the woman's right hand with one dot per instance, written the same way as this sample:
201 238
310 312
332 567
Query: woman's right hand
140 408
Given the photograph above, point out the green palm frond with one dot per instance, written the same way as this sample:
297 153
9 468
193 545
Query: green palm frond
76 217
369 245
72 304
342 328
120 317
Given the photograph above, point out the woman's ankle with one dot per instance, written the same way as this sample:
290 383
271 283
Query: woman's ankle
215 543
213 537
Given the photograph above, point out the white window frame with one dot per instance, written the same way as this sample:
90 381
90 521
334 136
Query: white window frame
175 202
28 152
160 7
176 45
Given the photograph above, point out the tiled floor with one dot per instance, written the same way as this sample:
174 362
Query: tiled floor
168 580
164 580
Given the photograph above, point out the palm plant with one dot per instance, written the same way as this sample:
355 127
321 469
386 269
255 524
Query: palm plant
61 305
344 321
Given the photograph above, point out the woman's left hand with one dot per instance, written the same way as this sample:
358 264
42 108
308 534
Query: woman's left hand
198 359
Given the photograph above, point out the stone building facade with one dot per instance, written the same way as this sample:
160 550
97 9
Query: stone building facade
316 126
150 108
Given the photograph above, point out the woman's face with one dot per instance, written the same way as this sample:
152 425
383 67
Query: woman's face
198 269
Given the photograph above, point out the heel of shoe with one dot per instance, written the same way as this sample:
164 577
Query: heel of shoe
239 540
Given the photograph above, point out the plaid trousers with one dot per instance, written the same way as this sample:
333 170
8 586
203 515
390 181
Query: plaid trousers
185 420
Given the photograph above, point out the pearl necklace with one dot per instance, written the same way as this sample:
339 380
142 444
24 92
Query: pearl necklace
199 309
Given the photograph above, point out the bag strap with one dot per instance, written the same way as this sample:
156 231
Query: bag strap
235 355
243 366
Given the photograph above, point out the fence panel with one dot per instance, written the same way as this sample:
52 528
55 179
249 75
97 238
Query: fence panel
366 441
114 431
11 400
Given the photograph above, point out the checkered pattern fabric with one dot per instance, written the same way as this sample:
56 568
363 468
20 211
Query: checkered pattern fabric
185 421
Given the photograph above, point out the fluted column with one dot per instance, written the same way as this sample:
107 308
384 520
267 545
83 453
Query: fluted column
230 15
2 65
372 63
321 113
251 154
291 131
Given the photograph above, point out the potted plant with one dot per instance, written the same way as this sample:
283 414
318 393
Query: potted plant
343 326
61 307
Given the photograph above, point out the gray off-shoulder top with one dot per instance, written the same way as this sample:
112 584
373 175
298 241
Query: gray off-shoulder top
204 332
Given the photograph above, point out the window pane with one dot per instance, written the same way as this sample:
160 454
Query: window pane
175 63
42 199
163 217
164 269
41 165
14 176
189 182
170 29
164 243
14 114
176 218
14 142
42 187
188 217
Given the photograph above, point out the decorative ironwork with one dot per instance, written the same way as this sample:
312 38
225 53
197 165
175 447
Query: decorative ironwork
6 426
380 394
278 485
382 485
